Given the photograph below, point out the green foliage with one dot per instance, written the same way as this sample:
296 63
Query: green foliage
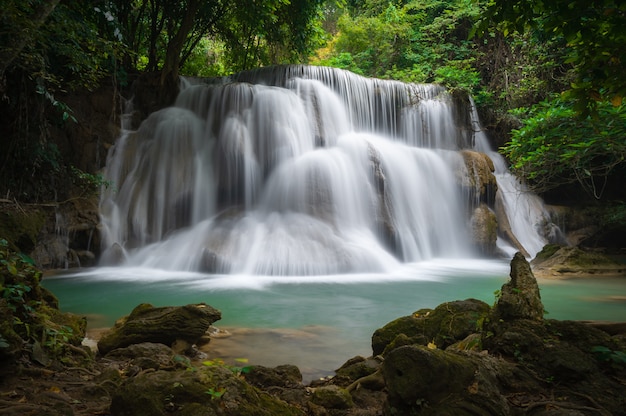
594 33
205 60
64 109
56 339
413 41
555 147
616 359
89 182
217 37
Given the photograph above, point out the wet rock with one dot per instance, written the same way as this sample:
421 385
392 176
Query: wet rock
484 229
162 325
556 261
446 324
477 177
519 297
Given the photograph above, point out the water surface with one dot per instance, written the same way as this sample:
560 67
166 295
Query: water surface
317 322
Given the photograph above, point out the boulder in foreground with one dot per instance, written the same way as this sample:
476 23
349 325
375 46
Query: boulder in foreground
163 325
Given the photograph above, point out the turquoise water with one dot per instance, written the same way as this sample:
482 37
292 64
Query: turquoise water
318 322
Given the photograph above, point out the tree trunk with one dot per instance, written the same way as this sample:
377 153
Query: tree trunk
38 19
176 44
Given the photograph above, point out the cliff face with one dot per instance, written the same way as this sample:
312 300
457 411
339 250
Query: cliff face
50 184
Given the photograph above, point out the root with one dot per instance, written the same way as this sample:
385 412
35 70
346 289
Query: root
375 381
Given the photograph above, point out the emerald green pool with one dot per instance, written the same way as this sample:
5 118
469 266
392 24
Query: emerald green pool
318 322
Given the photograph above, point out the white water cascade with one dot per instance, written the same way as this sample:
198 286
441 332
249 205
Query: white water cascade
296 170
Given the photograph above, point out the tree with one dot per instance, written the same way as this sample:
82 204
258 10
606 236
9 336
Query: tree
35 17
255 32
595 33
554 147
410 41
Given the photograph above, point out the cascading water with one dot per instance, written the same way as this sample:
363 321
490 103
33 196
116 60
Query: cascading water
292 170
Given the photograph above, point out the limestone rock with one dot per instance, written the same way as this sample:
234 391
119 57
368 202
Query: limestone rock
519 297
556 261
446 324
162 325
484 229
477 177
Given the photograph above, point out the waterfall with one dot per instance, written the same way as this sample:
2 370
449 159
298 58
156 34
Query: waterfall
292 170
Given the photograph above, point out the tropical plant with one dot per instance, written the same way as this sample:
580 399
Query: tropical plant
594 34
555 146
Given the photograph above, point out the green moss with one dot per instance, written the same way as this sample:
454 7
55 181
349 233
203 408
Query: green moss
21 228
446 324
547 251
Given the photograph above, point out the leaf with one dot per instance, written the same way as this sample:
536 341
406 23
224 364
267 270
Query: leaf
616 100
432 346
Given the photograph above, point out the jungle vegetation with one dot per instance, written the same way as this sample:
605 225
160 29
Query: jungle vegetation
546 76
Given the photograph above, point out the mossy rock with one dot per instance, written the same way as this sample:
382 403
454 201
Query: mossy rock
418 375
21 228
546 252
287 376
354 369
556 261
427 381
446 324
203 391
332 397
163 325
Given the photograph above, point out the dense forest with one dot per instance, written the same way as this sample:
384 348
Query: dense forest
547 77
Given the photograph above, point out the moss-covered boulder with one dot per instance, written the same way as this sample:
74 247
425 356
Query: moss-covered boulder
332 397
164 325
564 262
286 375
443 326
429 381
203 391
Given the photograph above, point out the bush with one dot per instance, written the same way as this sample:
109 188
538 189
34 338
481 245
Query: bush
556 146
